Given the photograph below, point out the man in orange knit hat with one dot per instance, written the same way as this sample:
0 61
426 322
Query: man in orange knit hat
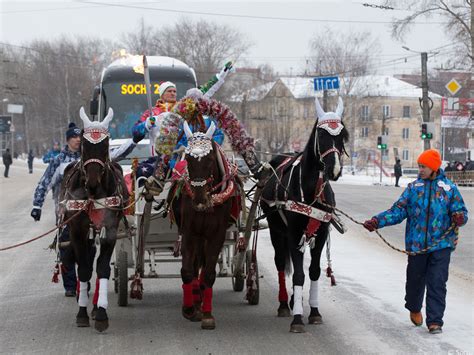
431 204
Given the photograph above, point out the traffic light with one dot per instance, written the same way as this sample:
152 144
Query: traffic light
426 131
381 142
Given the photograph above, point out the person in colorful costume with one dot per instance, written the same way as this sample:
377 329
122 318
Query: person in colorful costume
431 204
51 180
151 122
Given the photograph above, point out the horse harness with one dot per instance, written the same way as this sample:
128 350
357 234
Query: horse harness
95 208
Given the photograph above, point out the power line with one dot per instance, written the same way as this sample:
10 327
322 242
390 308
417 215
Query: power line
247 16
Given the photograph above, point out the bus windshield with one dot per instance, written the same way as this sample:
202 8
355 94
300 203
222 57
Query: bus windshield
128 100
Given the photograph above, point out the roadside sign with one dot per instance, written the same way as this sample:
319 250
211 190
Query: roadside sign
326 83
11 108
453 86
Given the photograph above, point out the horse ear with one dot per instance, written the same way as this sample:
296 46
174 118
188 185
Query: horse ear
187 130
319 110
108 118
210 131
340 107
84 118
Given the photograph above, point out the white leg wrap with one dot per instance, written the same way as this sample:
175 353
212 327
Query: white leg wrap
313 295
298 300
83 298
102 301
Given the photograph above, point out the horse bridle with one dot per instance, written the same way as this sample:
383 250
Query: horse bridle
316 146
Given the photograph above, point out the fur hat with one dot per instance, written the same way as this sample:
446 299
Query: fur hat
430 158
72 131
165 86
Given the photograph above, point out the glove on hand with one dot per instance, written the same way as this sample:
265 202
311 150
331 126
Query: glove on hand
458 219
36 214
371 224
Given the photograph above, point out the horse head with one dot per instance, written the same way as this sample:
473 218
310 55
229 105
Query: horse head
94 150
329 137
202 165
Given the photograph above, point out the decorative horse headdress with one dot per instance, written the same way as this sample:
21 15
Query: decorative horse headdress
95 131
199 144
330 121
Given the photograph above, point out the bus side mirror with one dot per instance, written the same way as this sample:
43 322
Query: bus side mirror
94 107
94 103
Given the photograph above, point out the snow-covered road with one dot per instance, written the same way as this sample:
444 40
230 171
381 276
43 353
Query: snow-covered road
364 313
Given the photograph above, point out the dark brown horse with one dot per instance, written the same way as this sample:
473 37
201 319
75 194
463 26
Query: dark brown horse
202 213
94 185
289 199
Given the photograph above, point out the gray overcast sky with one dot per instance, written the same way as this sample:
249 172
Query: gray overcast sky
284 44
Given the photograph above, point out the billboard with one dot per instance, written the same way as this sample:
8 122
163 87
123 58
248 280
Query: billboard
457 112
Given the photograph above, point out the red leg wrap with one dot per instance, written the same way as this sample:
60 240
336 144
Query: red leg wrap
96 292
196 291
282 294
188 295
207 301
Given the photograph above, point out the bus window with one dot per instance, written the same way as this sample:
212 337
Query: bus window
128 100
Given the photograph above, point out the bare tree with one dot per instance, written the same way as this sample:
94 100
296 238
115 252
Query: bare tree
458 15
140 41
203 45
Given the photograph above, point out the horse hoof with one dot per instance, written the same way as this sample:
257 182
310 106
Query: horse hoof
315 317
82 319
315 320
101 325
94 312
101 320
191 314
82 322
297 328
283 310
208 323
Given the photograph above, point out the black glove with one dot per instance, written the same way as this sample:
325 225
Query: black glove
36 214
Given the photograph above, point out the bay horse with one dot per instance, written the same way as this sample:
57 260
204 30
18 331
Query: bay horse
290 196
95 186
202 213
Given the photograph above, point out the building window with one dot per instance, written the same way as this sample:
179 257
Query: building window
364 132
406 133
406 112
386 111
385 131
405 155
385 153
364 113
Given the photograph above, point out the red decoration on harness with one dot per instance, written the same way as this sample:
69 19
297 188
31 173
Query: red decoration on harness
96 216
55 278
312 227
330 274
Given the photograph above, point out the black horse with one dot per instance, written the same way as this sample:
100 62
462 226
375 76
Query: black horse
95 186
302 181
202 212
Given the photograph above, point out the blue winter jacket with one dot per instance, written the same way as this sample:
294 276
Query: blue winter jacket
428 206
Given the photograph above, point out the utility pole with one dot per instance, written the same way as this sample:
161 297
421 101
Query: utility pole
424 101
